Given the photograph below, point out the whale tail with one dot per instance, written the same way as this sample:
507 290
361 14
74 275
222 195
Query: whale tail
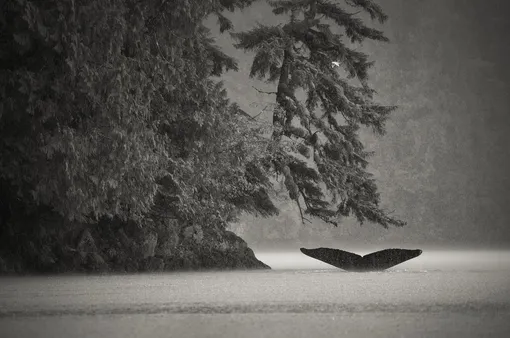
375 261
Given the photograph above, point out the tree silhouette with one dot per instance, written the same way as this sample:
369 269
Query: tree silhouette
319 151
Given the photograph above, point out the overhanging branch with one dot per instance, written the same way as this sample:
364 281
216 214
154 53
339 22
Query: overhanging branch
263 92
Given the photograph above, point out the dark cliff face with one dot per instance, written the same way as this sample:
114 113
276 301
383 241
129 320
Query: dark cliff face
48 244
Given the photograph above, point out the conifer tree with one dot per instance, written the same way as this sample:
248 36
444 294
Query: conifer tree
320 154
111 118
100 100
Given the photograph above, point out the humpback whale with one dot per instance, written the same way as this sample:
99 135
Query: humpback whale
375 261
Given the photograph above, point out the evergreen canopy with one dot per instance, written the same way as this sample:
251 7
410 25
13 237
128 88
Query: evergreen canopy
321 156
108 109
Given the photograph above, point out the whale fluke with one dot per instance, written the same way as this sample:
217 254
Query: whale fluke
375 261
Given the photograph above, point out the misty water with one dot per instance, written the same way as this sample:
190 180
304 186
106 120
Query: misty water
439 294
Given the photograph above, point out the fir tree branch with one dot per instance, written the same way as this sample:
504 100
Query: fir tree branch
263 92
303 219
298 55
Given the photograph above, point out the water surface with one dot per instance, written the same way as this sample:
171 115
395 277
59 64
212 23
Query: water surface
438 294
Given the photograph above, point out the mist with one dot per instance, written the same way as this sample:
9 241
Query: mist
429 261
443 164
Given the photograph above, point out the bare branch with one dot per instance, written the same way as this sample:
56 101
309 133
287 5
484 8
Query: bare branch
263 92
303 219
351 14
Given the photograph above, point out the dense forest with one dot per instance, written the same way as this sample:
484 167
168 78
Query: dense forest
120 150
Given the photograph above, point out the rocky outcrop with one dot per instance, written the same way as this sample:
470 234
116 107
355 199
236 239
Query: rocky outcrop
51 245
148 245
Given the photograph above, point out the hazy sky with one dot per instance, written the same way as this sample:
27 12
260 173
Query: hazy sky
444 163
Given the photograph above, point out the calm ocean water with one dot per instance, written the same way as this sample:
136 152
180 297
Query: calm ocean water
439 294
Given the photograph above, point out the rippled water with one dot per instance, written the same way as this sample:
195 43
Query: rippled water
437 294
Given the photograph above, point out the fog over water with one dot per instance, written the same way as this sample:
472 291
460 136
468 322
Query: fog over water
439 294
432 260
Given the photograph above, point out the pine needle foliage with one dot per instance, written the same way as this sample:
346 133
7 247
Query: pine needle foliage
321 156
107 107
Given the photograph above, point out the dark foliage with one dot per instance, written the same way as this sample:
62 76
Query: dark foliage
109 111
321 156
